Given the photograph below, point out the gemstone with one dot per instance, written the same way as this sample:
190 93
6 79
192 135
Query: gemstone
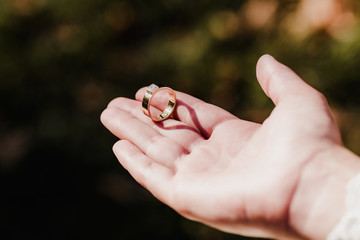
152 87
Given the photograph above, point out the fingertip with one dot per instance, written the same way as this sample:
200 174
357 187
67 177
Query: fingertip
263 63
116 146
104 117
264 72
116 102
266 57
119 150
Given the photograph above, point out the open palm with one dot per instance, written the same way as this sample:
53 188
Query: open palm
215 168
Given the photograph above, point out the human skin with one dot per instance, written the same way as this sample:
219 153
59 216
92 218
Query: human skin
284 178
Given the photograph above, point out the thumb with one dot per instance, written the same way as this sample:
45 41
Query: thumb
280 82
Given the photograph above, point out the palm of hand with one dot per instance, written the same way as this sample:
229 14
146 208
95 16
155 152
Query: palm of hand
213 167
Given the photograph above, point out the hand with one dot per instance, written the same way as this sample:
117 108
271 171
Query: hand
238 176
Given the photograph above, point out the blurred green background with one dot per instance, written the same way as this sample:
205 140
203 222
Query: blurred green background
62 61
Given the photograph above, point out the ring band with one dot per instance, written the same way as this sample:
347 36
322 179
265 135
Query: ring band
146 102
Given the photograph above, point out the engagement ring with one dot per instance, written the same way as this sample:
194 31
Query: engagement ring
146 102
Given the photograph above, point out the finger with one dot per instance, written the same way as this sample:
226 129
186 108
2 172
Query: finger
152 175
151 142
280 82
177 131
194 112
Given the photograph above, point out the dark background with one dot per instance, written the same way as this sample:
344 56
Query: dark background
62 61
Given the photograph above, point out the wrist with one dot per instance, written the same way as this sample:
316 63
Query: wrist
319 200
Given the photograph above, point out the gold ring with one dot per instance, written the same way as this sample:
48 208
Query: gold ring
146 103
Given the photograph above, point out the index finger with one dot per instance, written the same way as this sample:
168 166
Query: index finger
200 115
